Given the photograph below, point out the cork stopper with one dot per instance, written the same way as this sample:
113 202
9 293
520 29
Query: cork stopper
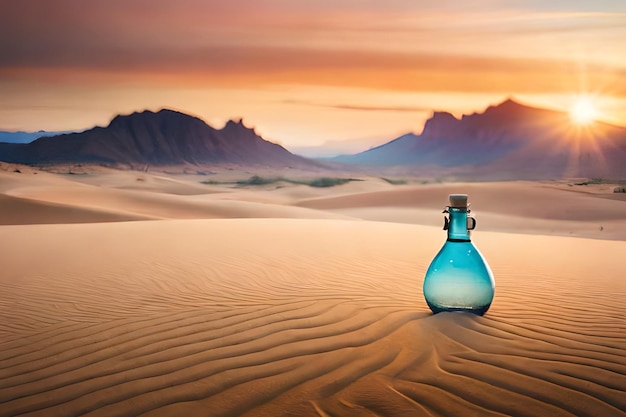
458 200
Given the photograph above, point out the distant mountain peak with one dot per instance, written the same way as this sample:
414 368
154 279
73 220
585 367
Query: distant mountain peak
443 115
237 125
162 117
167 137
508 140
438 124
507 111
27 137
509 105
510 102
235 122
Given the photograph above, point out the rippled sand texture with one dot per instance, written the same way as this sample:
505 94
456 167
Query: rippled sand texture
125 294
303 317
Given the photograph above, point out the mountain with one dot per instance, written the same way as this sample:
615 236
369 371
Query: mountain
333 148
26 137
507 141
147 138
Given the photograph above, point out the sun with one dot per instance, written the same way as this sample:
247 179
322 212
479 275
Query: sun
583 111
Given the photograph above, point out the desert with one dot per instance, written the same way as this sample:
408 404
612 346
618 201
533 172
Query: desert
151 293
260 208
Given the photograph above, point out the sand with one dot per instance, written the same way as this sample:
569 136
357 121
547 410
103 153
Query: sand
166 297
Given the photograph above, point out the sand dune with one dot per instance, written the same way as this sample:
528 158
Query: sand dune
549 208
319 314
521 207
63 200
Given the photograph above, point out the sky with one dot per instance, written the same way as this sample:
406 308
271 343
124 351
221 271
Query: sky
340 73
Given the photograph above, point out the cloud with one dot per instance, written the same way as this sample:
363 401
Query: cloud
357 107
395 45
246 66
96 32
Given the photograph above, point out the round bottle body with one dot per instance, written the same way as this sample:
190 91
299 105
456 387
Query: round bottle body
459 279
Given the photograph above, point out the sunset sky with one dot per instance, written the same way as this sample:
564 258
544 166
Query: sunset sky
305 73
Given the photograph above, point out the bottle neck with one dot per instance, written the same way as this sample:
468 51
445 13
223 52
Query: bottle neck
457 228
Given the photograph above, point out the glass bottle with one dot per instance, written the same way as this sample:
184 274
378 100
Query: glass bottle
459 278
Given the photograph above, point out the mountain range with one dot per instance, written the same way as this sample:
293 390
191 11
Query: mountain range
506 141
27 137
163 138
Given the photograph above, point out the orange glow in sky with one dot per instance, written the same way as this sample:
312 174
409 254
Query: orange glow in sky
305 73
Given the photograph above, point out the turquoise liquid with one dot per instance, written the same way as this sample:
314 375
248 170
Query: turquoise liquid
459 278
